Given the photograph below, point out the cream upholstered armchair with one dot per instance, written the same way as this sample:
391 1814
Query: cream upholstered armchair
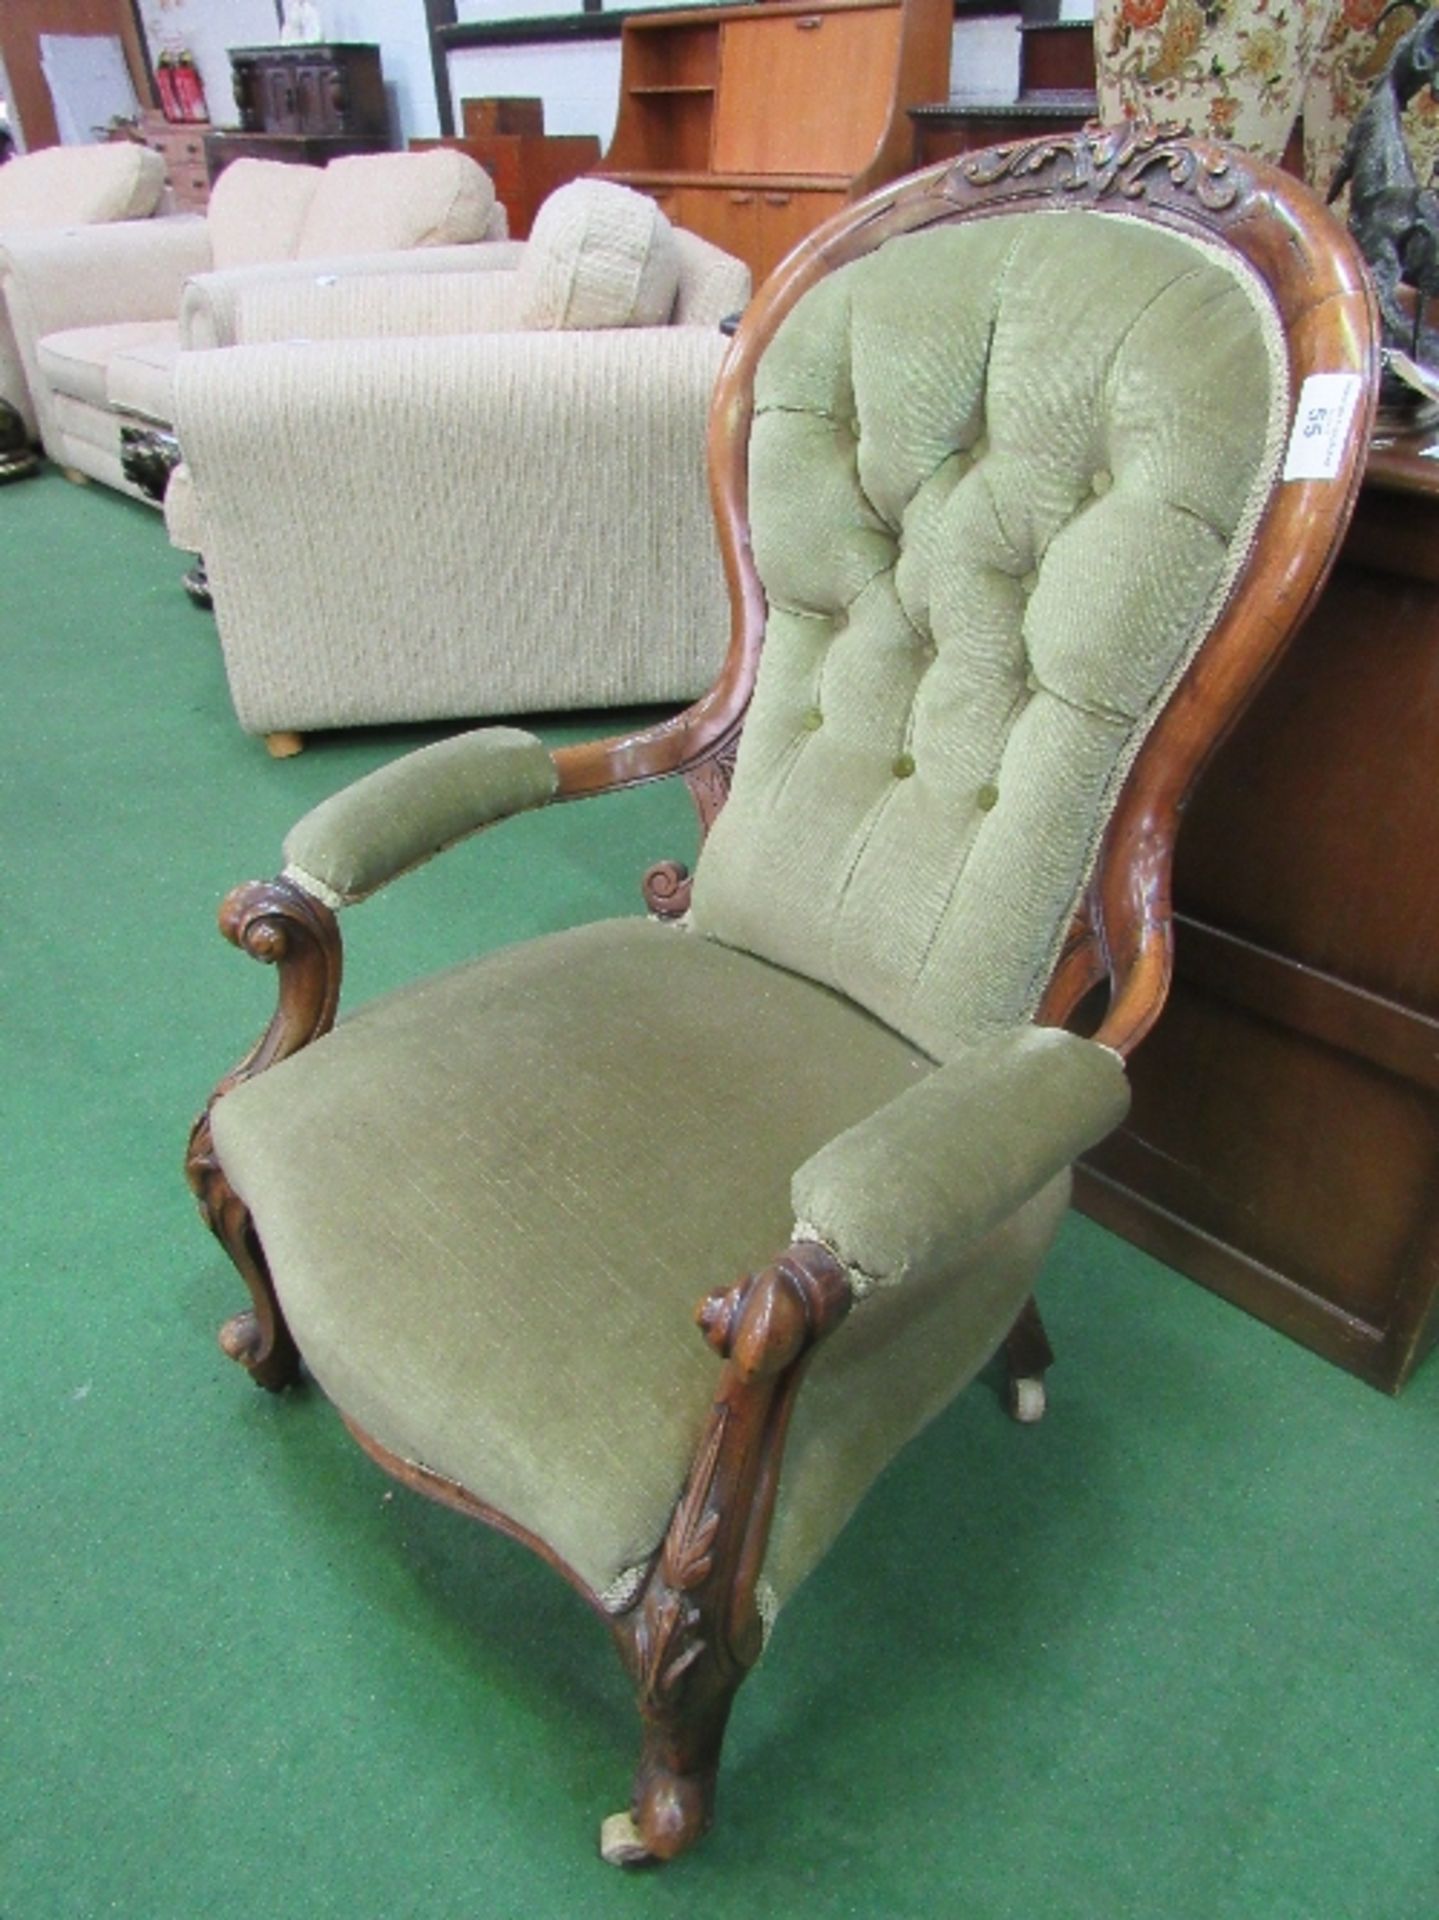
562 402
1003 581
99 316
59 187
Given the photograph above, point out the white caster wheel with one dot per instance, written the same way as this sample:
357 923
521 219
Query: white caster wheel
620 1842
1027 1399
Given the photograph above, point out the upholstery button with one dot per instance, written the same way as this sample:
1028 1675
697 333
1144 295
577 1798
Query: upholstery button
904 766
1030 580
987 798
812 720
1101 482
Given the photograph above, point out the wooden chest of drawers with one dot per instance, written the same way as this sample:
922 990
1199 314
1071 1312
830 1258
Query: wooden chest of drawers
182 147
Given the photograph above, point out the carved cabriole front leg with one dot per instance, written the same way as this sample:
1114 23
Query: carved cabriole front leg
695 1631
278 923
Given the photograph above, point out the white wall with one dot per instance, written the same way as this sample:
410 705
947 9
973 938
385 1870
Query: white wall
984 60
397 28
209 28
579 83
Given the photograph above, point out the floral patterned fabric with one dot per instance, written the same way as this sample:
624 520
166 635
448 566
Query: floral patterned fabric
1352 55
1234 69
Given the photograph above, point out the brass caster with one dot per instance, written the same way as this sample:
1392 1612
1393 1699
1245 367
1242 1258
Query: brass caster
620 1842
284 746
1027 1398
75 477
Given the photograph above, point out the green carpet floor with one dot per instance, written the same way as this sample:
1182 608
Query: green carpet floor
1169 1654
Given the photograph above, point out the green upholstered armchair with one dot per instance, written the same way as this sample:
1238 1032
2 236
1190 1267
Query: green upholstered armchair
1022 479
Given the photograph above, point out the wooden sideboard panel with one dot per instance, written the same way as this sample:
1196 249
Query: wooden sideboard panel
1283 1145
728 115
764 61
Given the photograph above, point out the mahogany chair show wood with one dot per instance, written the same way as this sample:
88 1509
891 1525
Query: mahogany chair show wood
884 1269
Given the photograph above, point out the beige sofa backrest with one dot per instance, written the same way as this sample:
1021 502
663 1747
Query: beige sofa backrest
80 186
264 210
257 210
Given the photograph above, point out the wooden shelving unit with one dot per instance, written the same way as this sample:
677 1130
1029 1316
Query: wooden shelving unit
750 125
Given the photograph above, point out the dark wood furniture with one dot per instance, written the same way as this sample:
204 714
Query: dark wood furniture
335 88
300 149
308 104
691 1630
699 127
1056 95
508 139
1283 1146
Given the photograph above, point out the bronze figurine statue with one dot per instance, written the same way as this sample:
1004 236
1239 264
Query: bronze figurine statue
1394 219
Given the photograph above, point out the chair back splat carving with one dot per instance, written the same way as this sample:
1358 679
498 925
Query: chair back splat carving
1024 471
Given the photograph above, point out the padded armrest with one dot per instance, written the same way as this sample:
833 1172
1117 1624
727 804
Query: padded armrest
909 1189
210 313
403 814
92 276
377 306
583 571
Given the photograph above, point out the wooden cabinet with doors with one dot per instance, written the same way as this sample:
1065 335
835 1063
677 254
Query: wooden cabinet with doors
307 104
1283 1143
322 91
750 125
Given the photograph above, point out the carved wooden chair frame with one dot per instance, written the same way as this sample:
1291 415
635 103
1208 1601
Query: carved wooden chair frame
692 1630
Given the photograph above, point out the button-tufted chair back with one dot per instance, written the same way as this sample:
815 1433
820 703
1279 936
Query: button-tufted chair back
1001 477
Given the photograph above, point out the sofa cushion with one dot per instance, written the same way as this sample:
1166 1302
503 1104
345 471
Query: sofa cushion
141 378
77 361
79 186
257 209
379 202
598 256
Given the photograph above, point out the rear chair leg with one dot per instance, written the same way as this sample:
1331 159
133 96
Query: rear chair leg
1027 1356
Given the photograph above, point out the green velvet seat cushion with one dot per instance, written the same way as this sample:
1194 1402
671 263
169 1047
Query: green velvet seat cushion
492 1201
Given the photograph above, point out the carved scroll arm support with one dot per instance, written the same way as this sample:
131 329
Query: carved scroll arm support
695 1630
280 924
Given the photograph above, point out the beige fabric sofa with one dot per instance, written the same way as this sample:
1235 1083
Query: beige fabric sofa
422 497
99 316
60 187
